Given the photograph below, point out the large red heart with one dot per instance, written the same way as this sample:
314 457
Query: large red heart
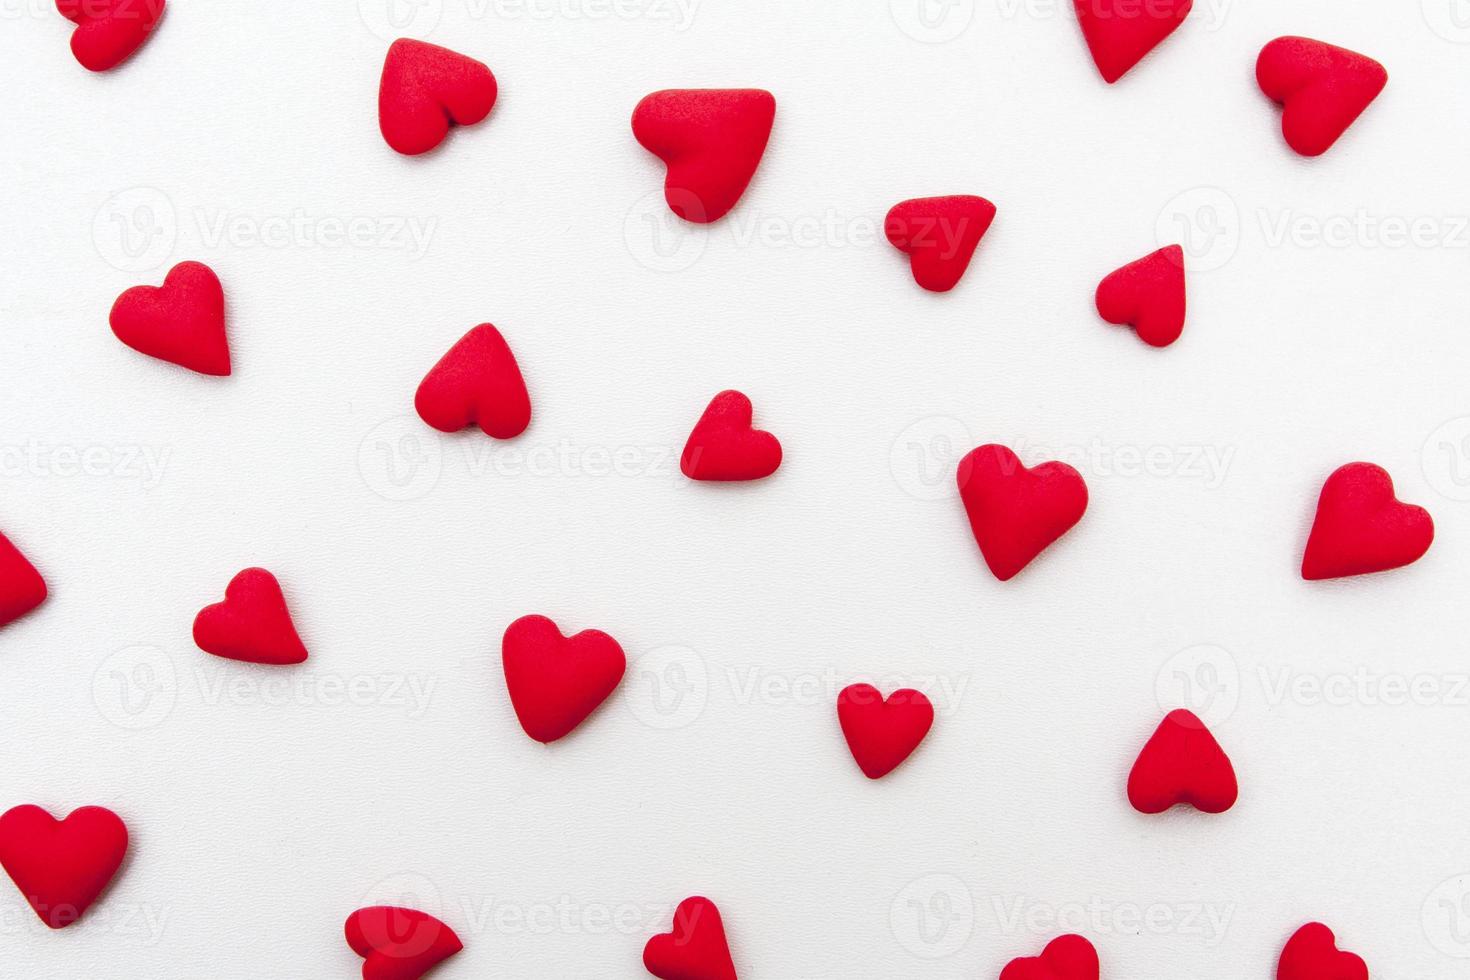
725 446
61 866
711 140
425 90
1361 527
1120 32
182 321
398 943
1322 89
1312 954
21 586
1065 958
1182 763
1147 295
252 624
1015 512
696 949
556 681
477 382
939 235
882 733
109 31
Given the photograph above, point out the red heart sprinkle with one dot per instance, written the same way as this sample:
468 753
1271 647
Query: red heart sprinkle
1312 954
939 235
1361 527
398 943
477 382
109 31
425 90
61 866
1015 512
711 140
252 624
1182 764
1065 958
882 733
725 447
1120 32
182 321
21 586
1321 88
696 949
1147 295
555 681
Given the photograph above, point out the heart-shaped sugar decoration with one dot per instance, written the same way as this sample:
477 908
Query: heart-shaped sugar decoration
1182 764
1322 89
425 90
1147 295
478 382
939 235
725 446
1120 32
1065 958
182 321
711 140
109 31
61 866
1312 954
1361 527
556 681
399 943
252 624
882 732
21 586
696 949
1015 512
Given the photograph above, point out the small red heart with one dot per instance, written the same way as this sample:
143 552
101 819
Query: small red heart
939 235
1120 32
1065 958
399 944
21 586
1312 954
252 624
61 866
1015 512
556 681
109 31
425 90
1182 763
477 382
1361 527
696 949
724 446
1322 89
1147 295
711 140
182 321
882 733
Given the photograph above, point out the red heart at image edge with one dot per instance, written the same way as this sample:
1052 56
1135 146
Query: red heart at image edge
109 31
1016 513
1361 527
696 948
556 681
252 624
1065 958
182 321
1322 89
1312 954
724 446
1182 764
939 235
1120 32
477 382
882 733
711 140
61 866
399 943
425 90
1147 295
21 587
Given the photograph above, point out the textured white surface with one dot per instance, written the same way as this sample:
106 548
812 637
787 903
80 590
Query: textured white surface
262 816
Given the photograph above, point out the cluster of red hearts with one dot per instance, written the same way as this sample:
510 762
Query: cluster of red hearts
712 142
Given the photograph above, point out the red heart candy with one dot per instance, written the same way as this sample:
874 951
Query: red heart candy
1065 958
398 943
696 949
1362 528
1147 295
711 140
724 446
939 235
1182 763
477 382
61 866
1017 512
555 681
109 31
1120 32
182 321
1312 954
882 733
252 624
21 586
425 90
1322 89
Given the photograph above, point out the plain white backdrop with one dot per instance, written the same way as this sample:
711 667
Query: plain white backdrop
1328 323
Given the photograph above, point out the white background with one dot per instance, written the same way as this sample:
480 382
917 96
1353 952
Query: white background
266 805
